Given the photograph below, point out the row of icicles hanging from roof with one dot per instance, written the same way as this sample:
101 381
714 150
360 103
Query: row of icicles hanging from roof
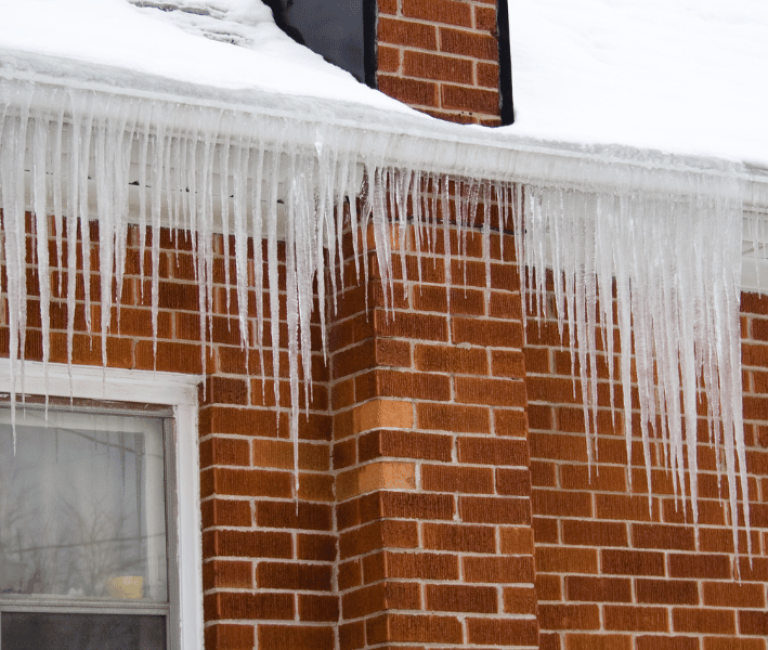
669 267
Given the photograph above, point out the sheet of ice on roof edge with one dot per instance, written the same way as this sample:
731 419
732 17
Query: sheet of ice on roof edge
671 241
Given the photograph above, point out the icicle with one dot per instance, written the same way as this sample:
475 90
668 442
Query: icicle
671 249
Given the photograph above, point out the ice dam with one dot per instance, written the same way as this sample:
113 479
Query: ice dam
657 243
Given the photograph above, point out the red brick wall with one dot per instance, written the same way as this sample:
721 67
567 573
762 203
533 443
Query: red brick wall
441 57
609 573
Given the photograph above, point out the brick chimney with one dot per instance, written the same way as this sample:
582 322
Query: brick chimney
442 57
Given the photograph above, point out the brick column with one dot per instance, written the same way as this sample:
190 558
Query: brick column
431 458
441 57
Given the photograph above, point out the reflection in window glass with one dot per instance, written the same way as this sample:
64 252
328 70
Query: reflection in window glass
82 506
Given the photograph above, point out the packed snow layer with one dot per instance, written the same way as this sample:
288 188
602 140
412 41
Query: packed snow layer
681 76
673 250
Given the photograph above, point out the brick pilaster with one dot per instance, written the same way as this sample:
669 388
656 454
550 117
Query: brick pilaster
431 456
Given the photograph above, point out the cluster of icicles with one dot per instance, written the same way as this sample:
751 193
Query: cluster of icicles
670 259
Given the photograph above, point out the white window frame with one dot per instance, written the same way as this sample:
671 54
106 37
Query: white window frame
177 391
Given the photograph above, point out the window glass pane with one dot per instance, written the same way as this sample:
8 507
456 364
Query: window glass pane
82 506
42 631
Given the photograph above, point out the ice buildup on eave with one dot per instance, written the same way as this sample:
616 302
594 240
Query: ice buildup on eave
662 234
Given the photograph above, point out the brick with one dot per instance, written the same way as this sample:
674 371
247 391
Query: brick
419 386
676 642
439 11
730 643
603 479
599 642
621 506
289 575
401 628
405 444
493 631
513 482
451 537
612 590
699 620
349 575
379 534
282 514
478 46
318 548
660 536
221 512
511 423
243 606
352 636
465 480
470 99
451 417
403 32
425 65
557 447
219 574
755 623
566 560
246 544
498 334
730 594
403 505
318 609
562 504
416 326
498 569
507 364
382 414
493 451
699 566
422 566
636 619
385 475
304 637
444 358
619 562
494 392
594 533
516 541
495 510
519 600
672 592
461 598
569 617
409 91
379 597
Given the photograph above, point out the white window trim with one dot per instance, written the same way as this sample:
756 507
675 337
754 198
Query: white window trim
165 389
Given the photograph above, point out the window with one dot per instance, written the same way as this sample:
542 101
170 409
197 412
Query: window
93 524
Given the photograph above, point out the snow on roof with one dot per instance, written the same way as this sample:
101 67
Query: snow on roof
681 76
225 45
677 76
